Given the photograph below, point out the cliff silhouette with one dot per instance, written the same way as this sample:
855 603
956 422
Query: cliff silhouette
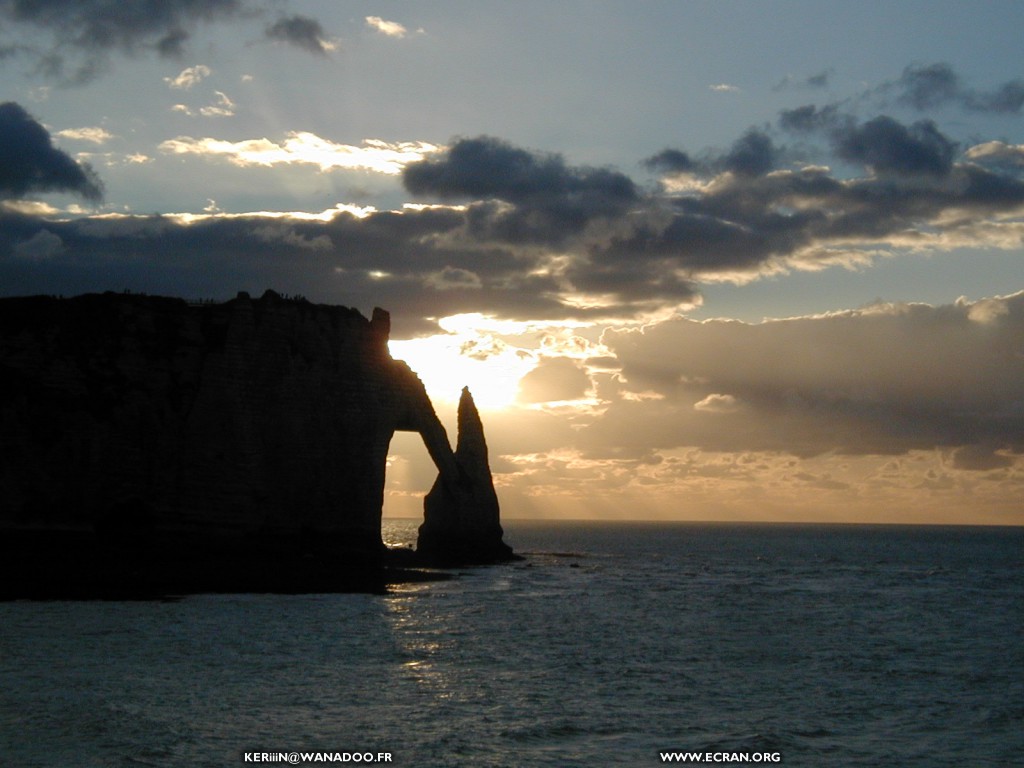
151 446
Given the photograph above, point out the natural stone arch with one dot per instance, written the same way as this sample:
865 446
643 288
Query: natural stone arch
461 522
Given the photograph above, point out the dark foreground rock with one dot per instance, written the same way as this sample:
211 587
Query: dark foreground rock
81 565
150 445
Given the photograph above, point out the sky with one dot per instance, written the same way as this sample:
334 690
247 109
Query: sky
696 261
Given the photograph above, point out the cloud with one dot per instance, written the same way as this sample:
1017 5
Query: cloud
302 32
739 226
672 161
420 263
555 379
523 196
84 32
882 144
337 257
388 28
868 413
94 135
1008 99
812 119
981 458
887 379
516 233
716 403
451 278
985 311
925 87
306 148
819 80
887 146
487 167
753 154
223 107
997 153
189 77
30 163
519 234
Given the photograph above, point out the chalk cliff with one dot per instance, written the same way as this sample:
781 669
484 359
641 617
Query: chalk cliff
145 419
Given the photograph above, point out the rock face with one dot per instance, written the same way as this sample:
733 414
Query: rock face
461 521
266 421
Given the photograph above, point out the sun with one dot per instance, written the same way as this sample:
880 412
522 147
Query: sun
466 356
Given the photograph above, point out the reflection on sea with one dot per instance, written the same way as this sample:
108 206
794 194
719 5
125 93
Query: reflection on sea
844 646
423 640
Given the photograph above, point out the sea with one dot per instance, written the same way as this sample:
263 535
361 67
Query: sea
609 644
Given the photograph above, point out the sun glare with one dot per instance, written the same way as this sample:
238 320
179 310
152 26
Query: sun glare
466 357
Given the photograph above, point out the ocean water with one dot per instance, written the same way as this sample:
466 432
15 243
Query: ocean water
611 643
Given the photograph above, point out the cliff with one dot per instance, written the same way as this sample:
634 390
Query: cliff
251 435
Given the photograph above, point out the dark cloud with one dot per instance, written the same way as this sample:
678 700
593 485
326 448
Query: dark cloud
551 200
692 242
882 144
172 44
30 163
930 86
1008 99
810 118
634 283
486 167
917 148
400 261
744 224
887 146
819 80
537 238
987 190
671 161
84 32
109 24
300 31
753 154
